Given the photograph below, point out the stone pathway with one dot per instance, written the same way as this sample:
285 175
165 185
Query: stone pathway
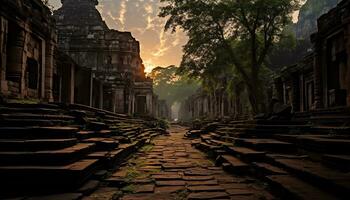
172 169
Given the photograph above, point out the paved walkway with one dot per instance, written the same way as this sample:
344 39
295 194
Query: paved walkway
173 169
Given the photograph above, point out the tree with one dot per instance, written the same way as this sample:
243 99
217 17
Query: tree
171 87
234 33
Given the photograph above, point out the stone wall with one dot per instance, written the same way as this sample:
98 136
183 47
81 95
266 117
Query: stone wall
322 79
27 40
113 56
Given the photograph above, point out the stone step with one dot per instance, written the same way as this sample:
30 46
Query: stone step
341 130
46 158
282 127
320 143
235 164
265 169
316 173
35 145
341 162
32 106
37 116
220 143
54 132
216 136
246 153
103 144
206 147
7 110
97 126
271 145
7 122
193 134
20 180
333 120
279 122
289 187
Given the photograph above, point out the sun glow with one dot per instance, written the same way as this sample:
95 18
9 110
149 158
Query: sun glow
149 66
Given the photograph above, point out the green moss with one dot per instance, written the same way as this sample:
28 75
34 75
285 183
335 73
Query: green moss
181 195
147 148
129 188
132 174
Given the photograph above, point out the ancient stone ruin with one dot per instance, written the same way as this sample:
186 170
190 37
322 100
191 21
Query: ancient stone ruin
78 118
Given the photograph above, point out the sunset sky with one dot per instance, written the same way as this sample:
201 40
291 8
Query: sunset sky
158 48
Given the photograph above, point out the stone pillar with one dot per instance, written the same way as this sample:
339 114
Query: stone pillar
3 47
318 77
16 57
302 93
114 101
120 101
295 93
48 70
91 92
133 104
149 104
347 46
72 84
100 106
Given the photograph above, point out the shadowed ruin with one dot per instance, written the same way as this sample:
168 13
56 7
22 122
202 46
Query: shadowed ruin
79 118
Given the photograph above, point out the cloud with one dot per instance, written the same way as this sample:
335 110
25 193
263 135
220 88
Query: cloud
158 48
140 17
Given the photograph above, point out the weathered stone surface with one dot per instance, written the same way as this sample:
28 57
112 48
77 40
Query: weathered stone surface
145 188
167 177
169 189
208 195
170 183
68 196
184 177
197 178
205 188
209 182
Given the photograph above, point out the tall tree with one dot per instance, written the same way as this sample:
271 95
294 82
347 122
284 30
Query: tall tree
239 33
170 86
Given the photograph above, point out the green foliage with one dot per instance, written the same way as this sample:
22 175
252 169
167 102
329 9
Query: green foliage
229 39
129 189
147 148
172 87
162 123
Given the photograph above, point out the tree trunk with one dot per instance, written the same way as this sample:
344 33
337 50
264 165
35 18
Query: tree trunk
255 93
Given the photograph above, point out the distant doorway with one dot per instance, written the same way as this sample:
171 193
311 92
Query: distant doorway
141 105
32 73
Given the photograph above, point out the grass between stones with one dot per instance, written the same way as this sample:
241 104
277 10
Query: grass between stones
130 189
181 195
147 148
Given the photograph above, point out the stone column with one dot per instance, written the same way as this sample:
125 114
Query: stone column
120 100
72 84
3 47
318 77
100 95
149 106
49 62
347 46
114 101
295 93
16 59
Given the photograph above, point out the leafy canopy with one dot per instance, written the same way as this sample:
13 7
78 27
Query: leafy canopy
170 86
226 34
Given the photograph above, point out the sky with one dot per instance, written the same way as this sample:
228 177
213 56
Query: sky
140 17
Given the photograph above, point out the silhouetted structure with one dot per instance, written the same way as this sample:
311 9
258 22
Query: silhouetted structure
322 79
